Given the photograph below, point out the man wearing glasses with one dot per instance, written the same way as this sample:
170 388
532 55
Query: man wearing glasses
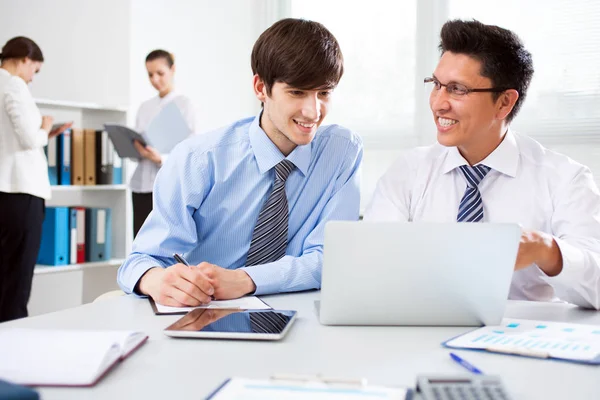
482 171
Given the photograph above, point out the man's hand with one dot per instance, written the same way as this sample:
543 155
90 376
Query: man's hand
228 284
177 286
148 152
541 249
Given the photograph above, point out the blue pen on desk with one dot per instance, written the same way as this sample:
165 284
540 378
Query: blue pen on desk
466 364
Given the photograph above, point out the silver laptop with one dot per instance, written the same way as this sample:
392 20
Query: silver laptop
397 273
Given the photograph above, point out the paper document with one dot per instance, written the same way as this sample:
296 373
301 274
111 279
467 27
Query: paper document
246 303
542 339
250 389
167 129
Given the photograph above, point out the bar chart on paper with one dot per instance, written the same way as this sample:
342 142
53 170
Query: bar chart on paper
535 338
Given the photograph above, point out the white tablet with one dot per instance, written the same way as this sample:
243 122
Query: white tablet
211 323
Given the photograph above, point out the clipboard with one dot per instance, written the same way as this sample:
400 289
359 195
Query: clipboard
122 138
575 343
185 310
277 386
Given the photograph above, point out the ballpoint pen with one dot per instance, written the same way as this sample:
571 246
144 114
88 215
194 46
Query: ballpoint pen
465 364
180 259
183 261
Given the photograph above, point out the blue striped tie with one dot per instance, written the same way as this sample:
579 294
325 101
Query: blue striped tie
269 239
471 206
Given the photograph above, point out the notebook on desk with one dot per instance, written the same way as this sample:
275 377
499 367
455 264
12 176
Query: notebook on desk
245 303
41 357
540 339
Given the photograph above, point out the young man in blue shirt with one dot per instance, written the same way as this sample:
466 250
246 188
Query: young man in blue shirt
246 205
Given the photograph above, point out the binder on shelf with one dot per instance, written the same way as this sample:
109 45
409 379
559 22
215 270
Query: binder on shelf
80 235
77 151
64 158
98 234
54 248
104 159
89 157
117 167
73 235
51 154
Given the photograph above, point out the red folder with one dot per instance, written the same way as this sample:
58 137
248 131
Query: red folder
80 242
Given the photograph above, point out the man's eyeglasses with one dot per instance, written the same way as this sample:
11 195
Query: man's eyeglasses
459 90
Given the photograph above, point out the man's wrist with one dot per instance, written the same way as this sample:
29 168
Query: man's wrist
142 287
248 283
550 259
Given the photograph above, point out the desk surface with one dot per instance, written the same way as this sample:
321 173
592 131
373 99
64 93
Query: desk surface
166 368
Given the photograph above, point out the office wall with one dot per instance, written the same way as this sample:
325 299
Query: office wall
212 42
85 45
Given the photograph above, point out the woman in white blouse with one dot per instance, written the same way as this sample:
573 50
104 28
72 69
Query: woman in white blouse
24 184
161 69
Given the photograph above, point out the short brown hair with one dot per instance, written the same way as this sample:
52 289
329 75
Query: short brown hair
156 54
21 47
300 53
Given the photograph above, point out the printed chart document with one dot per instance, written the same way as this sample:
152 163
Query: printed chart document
244 303
542 339
43 357
252 389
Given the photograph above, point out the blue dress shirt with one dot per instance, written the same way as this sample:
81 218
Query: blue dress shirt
209 193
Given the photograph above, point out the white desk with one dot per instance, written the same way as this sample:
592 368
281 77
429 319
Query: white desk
166 368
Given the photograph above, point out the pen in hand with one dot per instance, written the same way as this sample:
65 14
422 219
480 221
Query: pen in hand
183 261
466 364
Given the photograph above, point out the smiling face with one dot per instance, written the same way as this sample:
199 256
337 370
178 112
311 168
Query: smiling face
160 75
291 116
473 122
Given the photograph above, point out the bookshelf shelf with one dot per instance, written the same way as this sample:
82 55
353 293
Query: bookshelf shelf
78 105
50 269
86 188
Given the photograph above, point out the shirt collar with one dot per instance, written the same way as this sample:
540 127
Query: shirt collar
504 159
268 155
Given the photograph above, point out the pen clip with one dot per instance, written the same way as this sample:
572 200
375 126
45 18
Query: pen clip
360 382
521 351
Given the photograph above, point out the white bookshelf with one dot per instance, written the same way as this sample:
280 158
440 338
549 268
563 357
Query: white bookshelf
60 287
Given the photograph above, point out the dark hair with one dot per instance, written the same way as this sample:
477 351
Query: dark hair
301 53
21 47
156 54
504 59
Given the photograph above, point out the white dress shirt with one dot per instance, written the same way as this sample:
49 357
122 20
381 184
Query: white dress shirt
23 164
144 175
528 184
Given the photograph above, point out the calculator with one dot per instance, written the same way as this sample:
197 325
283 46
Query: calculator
476 387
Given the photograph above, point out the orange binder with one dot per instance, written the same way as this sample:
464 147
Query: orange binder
77 150
89 157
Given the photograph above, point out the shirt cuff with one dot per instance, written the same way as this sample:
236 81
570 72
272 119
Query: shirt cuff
129 275
573 261
264 277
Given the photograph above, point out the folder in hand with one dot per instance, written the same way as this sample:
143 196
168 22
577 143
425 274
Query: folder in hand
43 357
122 138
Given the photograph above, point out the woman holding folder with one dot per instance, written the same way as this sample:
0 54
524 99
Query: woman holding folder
24 183
160 65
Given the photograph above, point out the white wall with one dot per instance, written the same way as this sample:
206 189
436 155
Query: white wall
212 42
85 45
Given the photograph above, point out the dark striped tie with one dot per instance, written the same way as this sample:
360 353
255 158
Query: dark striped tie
269 239
268 322
471 206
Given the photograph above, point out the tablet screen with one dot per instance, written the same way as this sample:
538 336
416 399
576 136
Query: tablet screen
272 322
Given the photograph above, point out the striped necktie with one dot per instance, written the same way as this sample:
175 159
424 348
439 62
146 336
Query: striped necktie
471 206
269 239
